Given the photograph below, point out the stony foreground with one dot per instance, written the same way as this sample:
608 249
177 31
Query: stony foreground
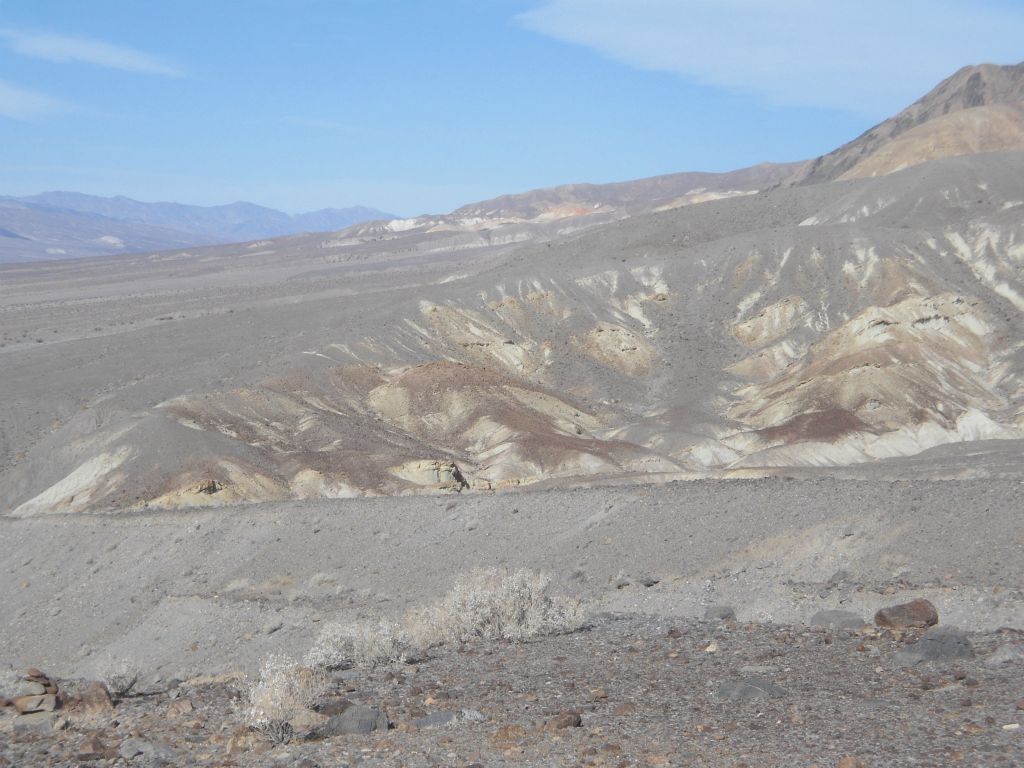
628 691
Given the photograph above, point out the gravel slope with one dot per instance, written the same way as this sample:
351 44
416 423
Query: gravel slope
192 592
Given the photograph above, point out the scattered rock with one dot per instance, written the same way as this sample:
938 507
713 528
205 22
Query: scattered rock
150 752
938 644
435 719
473 716
851 762
35 683
507 735
307 724
837 578
46 702
448 717
749 688
179 707
625 709
95 748
917 614
356 719
719 613
1005 654
569 719
837 620
244 741
40 723
759 669
333 707
94 700
271 627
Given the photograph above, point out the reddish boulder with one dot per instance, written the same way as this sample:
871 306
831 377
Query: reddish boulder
917 614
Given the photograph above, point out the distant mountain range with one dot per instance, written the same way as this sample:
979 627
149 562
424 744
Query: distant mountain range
978 109
57 225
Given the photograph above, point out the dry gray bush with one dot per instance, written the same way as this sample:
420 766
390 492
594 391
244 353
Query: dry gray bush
486 604
492 604
118 674
283 690
358 644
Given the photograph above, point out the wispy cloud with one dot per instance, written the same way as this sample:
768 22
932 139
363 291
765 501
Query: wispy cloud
70 48
870 57
21 104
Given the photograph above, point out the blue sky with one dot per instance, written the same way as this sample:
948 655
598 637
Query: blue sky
415 106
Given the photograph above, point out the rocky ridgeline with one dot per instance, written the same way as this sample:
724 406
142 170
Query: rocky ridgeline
628 692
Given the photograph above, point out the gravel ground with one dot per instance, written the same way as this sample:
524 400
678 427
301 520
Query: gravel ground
187 593
648 691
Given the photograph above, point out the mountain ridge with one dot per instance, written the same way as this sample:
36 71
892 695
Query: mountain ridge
62 224
975 87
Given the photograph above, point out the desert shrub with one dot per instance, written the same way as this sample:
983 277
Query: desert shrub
283 690
358 644
493 604
118 674
485 604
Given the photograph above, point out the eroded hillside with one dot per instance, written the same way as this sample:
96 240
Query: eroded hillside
834 325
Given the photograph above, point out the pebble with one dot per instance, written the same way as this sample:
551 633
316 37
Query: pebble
356 719
155 754
40 723
1011 652
179 707
564 720
271 627
749 688
94 748
719 613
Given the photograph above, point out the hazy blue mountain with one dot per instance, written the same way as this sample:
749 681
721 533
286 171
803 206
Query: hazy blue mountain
55 225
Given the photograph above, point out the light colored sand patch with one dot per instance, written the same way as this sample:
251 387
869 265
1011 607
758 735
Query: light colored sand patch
986 271
769 362
772 323
618 348
312 484
240 484
76 490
